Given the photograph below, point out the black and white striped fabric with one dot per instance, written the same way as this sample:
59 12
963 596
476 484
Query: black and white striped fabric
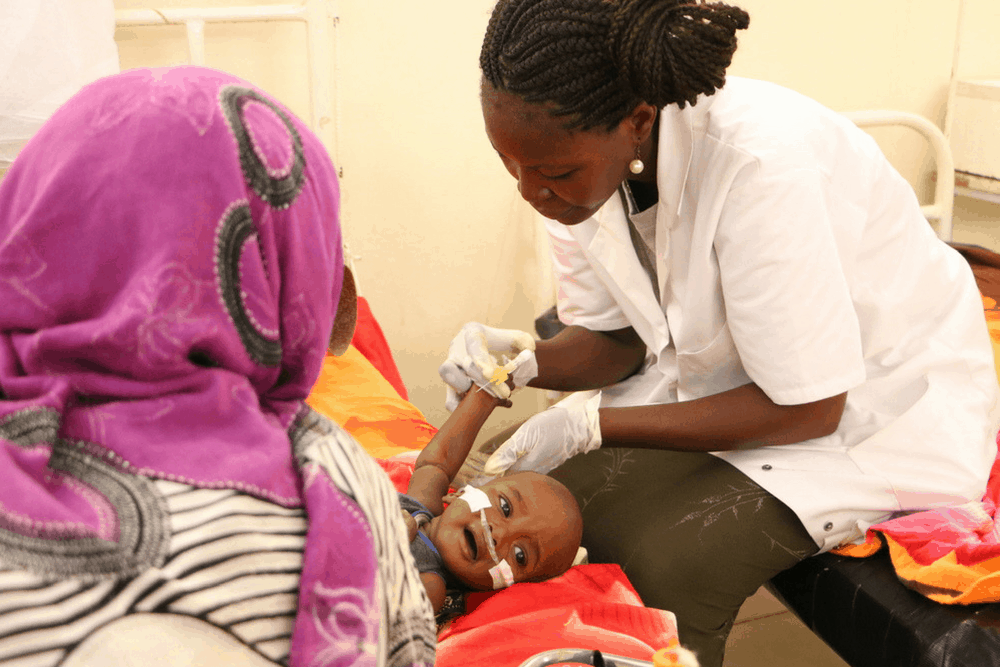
233 562
227 589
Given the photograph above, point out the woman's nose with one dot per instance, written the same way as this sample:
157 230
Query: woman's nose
531 188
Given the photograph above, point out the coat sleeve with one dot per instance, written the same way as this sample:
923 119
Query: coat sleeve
787 297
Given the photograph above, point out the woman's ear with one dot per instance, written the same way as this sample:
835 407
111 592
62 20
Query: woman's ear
641 120
346 318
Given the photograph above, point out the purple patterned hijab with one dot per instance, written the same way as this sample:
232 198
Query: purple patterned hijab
170 260
170 268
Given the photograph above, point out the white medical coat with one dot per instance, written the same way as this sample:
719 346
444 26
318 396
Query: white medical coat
791 254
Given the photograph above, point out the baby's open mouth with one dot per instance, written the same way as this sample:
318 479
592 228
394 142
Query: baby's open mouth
472 543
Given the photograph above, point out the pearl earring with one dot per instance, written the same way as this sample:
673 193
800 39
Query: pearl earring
636 166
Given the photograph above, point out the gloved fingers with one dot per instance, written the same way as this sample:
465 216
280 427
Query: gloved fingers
501 460
490 348
592 418
458 353
455 377
476 357
455 369
452 399
497 389
507 341
507 455
530 448
526 368
481 357
471 353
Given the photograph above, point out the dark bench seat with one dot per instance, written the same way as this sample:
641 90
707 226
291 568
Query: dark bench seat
863 612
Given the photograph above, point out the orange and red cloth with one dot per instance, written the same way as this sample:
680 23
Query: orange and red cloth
951 555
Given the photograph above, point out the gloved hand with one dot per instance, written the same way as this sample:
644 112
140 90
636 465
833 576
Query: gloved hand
476 355
550 438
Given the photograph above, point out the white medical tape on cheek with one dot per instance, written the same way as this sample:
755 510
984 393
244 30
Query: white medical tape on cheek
476 498
502 576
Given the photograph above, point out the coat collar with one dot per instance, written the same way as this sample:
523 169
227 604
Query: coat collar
605 237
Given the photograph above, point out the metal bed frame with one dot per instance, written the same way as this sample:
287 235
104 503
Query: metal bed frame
940 211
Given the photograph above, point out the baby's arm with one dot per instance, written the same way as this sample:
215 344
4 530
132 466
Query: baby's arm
444 455
434 585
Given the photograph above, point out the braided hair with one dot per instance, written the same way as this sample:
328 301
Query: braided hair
595 60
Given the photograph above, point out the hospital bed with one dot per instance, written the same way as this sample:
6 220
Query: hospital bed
857 606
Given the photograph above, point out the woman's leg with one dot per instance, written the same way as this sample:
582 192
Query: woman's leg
694 535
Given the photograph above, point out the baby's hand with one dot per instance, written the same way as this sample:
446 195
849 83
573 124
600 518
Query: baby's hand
411 526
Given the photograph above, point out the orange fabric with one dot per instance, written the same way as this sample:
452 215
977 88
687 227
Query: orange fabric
352 392
993 324
947 580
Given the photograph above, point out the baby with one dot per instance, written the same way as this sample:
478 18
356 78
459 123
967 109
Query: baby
521 527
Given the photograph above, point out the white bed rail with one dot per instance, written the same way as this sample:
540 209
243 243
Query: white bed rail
940 211
318 15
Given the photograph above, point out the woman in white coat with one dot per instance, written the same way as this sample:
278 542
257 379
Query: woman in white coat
785 352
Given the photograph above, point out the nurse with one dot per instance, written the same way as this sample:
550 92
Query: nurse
771 348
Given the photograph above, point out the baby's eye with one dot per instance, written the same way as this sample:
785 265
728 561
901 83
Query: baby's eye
504 506
520 556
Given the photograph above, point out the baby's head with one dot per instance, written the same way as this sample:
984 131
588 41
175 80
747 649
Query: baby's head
535 523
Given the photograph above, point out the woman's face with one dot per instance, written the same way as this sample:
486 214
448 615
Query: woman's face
566 175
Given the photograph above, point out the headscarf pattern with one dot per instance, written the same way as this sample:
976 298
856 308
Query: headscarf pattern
170 263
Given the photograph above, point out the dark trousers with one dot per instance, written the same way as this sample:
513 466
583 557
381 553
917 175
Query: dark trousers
694 535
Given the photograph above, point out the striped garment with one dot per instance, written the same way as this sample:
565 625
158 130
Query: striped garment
231 571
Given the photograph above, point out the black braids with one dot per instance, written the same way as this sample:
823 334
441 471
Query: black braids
550 52
497 36
692 42
537 67
576 41
594 60
652 67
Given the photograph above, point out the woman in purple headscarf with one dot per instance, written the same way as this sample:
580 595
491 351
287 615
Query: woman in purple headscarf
170 265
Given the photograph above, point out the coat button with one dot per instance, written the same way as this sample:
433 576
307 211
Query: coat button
828 527
766 466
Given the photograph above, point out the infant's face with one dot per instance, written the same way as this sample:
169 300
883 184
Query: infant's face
532 528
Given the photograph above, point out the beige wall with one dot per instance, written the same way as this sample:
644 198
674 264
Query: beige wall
438 230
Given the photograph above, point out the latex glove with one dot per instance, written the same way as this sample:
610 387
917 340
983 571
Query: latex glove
478 355
550 438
